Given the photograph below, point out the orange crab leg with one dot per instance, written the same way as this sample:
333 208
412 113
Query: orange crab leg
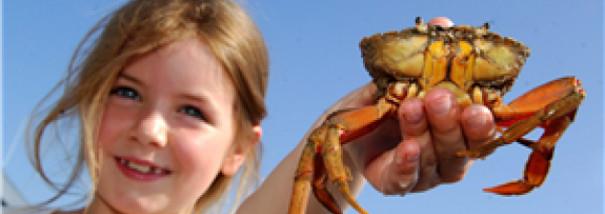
339 128
536 108
538 164
319 187
303 177
538 98
552 106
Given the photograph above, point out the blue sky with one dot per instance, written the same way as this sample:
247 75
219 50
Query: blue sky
315 59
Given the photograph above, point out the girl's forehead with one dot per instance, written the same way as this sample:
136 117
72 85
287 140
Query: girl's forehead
184 65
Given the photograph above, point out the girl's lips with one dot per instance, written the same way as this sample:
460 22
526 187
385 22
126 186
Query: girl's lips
140 170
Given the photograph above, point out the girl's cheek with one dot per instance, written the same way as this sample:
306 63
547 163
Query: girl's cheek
117 120
188 154
196 154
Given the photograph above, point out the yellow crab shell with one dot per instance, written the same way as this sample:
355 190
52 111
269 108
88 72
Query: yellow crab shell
458 58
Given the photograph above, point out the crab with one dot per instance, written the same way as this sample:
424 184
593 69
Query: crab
477 66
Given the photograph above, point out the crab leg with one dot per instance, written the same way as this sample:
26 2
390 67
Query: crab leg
551 106
538 164
537 107
303 177
319 187
338 129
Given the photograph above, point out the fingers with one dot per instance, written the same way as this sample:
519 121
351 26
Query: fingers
433 130
439 130
442 114
415 131
397 170
401 166
478 125
412 118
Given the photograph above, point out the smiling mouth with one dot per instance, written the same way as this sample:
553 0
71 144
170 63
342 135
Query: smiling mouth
140 169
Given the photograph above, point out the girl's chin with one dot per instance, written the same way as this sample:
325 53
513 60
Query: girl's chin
134 204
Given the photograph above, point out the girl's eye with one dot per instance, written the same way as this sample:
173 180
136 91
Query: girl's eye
193 112
126 92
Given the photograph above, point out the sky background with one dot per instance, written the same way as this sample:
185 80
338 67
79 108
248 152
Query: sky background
315 60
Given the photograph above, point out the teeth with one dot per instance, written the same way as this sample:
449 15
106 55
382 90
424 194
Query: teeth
157 171
138 167
142 168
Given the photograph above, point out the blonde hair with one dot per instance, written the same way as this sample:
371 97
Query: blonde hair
142 26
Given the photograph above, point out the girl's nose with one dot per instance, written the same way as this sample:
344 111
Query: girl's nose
152 129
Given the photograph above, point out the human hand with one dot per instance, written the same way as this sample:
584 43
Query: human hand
416 150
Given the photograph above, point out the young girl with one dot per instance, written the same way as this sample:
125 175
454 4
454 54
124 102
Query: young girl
170 100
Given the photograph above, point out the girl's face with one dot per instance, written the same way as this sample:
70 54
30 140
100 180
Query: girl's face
167 131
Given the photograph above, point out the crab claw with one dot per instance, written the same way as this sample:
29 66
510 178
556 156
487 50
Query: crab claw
535 174
513 188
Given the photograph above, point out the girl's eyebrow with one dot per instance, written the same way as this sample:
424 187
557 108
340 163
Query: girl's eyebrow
130 78
195 97
204 99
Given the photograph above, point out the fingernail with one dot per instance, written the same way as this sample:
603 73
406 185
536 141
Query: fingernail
412 154
413 115
398 158
404 158
409 153
440 105
412 157
477 118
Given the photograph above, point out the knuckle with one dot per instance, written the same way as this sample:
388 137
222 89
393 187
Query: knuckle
449 141
429 162
452 178
454 171
453 174
444 126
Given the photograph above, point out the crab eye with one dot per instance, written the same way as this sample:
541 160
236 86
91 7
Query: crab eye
418 20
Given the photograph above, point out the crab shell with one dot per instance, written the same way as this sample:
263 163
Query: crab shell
491 62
